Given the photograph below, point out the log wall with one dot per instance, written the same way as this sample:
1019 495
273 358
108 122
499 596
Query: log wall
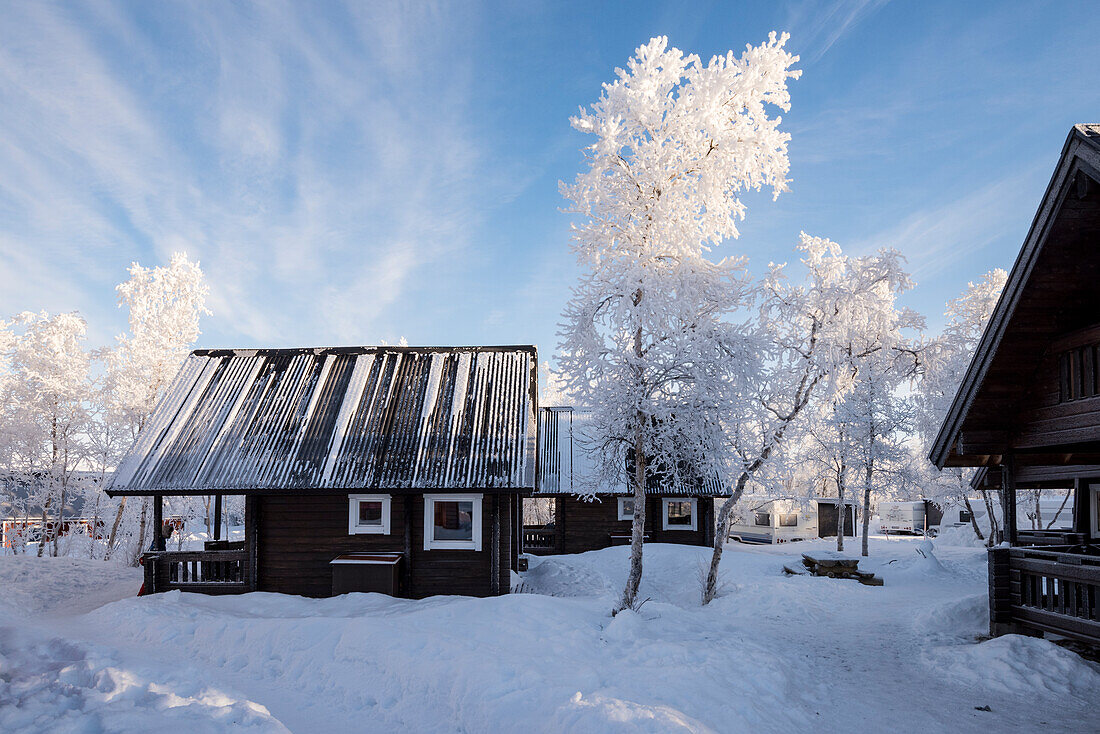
299 535
585 526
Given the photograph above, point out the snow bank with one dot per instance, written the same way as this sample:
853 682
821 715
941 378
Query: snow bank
962 536
30 586
768 655
50 684
1017 665
962 619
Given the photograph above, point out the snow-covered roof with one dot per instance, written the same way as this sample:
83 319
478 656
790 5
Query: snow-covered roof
245 420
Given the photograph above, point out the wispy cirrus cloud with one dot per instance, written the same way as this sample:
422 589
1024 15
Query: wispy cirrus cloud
816 26
939 236
311 161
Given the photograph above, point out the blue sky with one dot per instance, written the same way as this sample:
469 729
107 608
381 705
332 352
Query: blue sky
354 173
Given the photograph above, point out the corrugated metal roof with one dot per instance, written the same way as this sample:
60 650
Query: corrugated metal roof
567 465
344 418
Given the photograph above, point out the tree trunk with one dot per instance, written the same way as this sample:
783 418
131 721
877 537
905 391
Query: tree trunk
866 508
45 521
637 529
973 519
113 537
1037 521
994 528
141 531
721 532
840 507
95 526
1060 508
60 519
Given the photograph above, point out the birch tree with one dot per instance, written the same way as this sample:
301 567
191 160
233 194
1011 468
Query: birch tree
47 418
803 336
676 143
165 305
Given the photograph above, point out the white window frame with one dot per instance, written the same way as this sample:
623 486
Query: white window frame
429 522
694 513
621 501
354 528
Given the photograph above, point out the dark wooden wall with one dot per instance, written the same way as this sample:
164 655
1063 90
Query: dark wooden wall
297 537
1046 419
585 526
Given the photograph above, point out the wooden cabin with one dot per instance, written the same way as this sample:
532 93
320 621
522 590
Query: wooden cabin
1028 407
392 469
605 518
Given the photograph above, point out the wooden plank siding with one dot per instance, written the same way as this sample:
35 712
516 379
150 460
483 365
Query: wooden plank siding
586 526
299 535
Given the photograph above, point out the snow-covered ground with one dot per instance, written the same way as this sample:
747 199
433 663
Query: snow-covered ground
773 653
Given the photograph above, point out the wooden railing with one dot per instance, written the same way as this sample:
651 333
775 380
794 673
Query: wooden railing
206 571
539 540
1049 589
1048 537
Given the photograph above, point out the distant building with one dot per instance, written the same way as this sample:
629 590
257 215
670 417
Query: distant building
603 517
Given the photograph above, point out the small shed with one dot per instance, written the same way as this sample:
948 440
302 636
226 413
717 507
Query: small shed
395 469
828 517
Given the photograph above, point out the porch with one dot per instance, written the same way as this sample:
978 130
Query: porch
540 540
222 567
1052 588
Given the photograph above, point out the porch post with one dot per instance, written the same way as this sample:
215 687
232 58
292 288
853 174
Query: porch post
494 561
217 517
158 522
252 540
1008 497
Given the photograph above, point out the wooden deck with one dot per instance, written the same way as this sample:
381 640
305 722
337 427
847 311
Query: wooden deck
1045 589
221 569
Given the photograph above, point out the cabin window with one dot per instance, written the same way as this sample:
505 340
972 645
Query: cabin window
788 520
626 508
452 521
368 513
964 516
1077 371
679 514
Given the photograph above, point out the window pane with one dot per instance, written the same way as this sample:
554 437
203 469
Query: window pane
788 520
453 520
628 508
764 519
370 512
679 512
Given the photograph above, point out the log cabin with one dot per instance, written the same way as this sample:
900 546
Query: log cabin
390 469
589 514
1028 407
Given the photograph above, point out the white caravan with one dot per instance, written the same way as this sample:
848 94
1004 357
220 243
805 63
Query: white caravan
906 517
769 520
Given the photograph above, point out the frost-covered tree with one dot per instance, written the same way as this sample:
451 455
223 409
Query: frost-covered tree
642 344
879 416
802 339
45 410
165 305
946 359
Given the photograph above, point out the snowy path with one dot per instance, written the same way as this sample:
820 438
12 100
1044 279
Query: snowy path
773 653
